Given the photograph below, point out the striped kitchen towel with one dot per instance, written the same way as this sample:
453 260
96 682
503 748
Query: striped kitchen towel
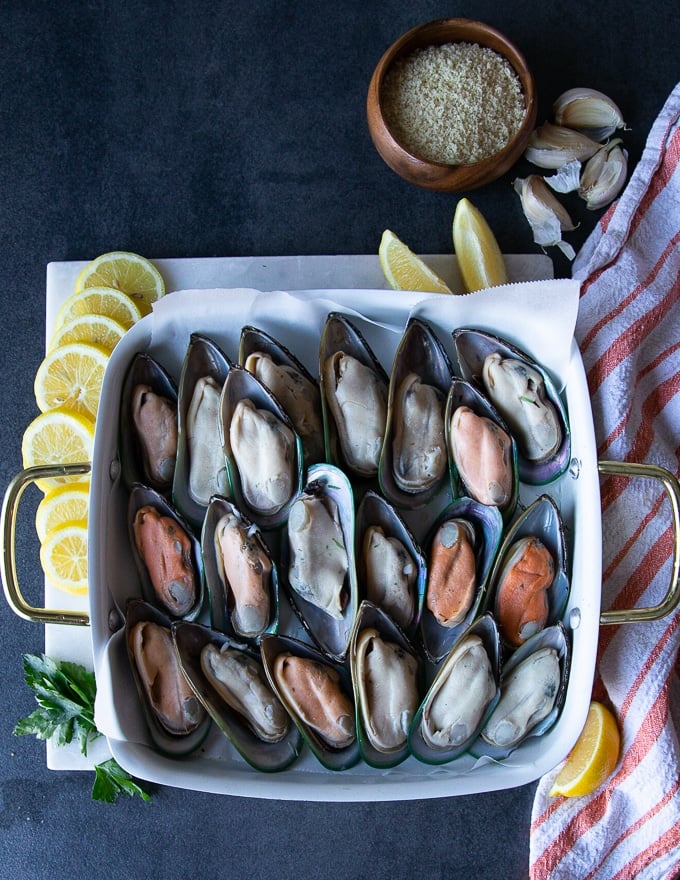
628 329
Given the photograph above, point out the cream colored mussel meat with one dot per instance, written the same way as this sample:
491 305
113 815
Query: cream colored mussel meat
458 700
528 696
241 683
207 467
155 420
357 399
518 391
389 692
298 396
264 450
318 555
391 575
419 446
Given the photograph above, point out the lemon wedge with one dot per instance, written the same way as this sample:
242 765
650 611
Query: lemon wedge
70 377
68 503
57 437
404 270
104 301
480 260
132 274
63 556
90 329
593 758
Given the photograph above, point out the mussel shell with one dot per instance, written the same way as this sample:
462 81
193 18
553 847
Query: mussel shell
203 358
254 339
332 759
240 385
341 334
487 525
374 510
463 393
419 351
543 520
472 347
330 635
370 616
190 639
143 370
141 496
552 637
220 603
485 628
175 746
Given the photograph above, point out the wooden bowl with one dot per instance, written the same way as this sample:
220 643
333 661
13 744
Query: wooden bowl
436 175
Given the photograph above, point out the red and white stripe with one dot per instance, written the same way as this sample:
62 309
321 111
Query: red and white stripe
628 329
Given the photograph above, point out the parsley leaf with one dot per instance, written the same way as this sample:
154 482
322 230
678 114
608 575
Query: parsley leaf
111 780
65 694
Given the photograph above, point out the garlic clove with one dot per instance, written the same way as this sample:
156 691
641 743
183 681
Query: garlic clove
546 216
567 178
551 146
604 175
588 111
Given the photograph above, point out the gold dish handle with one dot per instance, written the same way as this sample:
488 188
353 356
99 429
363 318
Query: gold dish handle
672 487
8 522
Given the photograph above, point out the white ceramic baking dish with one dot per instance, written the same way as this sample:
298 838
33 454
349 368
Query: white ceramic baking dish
533 316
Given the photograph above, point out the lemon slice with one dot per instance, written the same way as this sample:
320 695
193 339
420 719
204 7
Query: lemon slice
70 377
104 301
63 504
57 437
480 260
404 270
91 329
594 756
134 275
63 556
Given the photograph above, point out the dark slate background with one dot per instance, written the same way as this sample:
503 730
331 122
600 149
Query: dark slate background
228 129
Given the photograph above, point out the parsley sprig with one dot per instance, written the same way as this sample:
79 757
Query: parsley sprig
65 694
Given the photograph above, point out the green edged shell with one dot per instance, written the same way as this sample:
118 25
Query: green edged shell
330 633
190 640
203 359
542 519
472 348
173 745
220 595
464 394
487 526
376 512
455 696
545 703
143 370
242 387
303 405
331 758
342 339
143 496
403 687
420 354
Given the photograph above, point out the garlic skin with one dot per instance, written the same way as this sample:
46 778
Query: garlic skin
552 146
567 178
588 111
603 176
546 216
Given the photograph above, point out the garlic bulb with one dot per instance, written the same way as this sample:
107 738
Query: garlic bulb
546 216
604 175
551 146
588 111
